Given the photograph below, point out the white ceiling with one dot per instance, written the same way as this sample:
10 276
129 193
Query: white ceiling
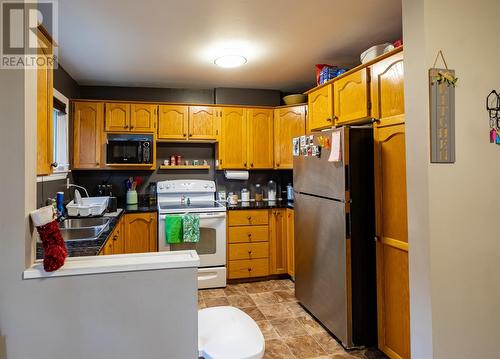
171 43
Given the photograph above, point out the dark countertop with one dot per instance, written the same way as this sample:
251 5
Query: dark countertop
93 247
260 205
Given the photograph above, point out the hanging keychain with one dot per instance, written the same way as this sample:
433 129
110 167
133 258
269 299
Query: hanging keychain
493 108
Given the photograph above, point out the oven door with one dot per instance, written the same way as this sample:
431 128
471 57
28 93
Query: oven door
212 245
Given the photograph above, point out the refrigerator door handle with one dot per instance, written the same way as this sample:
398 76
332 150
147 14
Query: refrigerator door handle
347 178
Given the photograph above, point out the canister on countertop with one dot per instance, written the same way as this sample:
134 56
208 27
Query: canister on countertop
258 193
245 195
272 189
178 160
232 198
172 160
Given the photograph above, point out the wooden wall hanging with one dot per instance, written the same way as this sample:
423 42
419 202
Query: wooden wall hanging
442 83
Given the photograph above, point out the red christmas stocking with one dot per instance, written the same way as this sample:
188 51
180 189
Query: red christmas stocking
53 244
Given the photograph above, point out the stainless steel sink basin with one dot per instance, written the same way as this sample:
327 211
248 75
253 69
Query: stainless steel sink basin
83 223
83 229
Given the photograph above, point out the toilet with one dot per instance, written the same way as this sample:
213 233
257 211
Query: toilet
228 333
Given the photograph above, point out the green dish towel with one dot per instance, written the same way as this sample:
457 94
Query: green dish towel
173 229
191 228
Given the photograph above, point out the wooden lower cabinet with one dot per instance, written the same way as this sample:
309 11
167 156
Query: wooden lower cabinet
116 241
290 242
248 268
277 241
140 230
392 241
258 243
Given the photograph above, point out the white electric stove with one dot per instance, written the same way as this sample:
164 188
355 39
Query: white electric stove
197 196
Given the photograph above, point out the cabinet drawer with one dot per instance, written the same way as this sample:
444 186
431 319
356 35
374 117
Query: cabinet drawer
239 251
248 268
246 234
248 218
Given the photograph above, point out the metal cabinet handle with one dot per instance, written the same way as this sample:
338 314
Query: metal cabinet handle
97 163
329 120
54 164
115 237
131 127
184 134
251 164
249 252
249 269
126 126
277 164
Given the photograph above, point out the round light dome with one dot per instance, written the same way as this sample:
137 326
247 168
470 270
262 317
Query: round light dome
230 61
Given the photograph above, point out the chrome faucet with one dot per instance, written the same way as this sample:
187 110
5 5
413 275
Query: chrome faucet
68 185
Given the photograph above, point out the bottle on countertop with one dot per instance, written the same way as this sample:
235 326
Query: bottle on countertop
289 192
245 195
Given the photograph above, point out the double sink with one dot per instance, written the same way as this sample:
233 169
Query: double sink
83 229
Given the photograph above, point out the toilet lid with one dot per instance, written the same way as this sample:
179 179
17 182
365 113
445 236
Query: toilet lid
228 333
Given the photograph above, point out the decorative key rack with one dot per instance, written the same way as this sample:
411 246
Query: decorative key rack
493 108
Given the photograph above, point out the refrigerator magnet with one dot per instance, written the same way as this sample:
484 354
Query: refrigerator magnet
296 146
302 141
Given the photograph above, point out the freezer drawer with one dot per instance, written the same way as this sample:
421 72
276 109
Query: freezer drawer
321 264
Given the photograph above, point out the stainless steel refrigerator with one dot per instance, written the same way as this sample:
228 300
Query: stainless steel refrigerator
334 233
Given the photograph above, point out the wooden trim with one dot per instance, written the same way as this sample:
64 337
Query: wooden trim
390 121
357 68
287 106
171 103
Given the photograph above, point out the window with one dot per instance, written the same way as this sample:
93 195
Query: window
60 140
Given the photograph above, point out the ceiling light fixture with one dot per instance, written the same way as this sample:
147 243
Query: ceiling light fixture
230 61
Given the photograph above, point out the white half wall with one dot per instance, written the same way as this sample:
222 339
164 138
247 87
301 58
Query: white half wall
453 208
147 314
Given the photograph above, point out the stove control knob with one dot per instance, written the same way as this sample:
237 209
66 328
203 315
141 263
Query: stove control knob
205 186
167 186
160 187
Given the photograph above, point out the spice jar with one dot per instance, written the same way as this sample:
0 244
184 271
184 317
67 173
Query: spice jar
178 160
258 193
172 160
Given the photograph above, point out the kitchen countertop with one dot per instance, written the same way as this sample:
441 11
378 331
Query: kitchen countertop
260 205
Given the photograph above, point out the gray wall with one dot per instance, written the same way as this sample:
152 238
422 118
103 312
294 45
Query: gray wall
65 84
248 97
205 96
150 314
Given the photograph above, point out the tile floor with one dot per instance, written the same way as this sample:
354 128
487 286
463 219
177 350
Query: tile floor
290 332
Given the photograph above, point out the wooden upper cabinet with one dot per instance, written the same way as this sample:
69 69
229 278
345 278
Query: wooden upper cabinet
143 117
202 123
387 87
277 242
44 112
392 245
289 122
87 134
260 138
140 232
117 117
352 97
233 142
173 122
320 107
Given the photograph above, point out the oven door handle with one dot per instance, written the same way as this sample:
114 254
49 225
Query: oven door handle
210 216
204 216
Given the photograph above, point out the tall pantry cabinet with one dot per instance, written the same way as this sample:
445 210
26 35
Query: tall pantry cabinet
393 298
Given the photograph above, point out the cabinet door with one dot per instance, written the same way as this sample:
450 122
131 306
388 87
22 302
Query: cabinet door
387 88
233 142
289 122
173 122
260 138
44 116
352 100
392 243
202 123
277 242
117 117
87 134
320 107
108 248
290 242
118 238
143 117
140 232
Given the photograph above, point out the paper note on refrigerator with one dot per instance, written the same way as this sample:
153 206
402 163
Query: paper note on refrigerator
336 151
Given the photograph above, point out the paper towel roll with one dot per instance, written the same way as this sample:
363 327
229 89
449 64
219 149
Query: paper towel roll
236 175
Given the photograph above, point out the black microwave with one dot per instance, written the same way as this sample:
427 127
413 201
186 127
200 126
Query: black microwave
132 149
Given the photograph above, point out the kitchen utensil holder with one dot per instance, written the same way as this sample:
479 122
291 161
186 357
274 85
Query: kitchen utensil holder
131 197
